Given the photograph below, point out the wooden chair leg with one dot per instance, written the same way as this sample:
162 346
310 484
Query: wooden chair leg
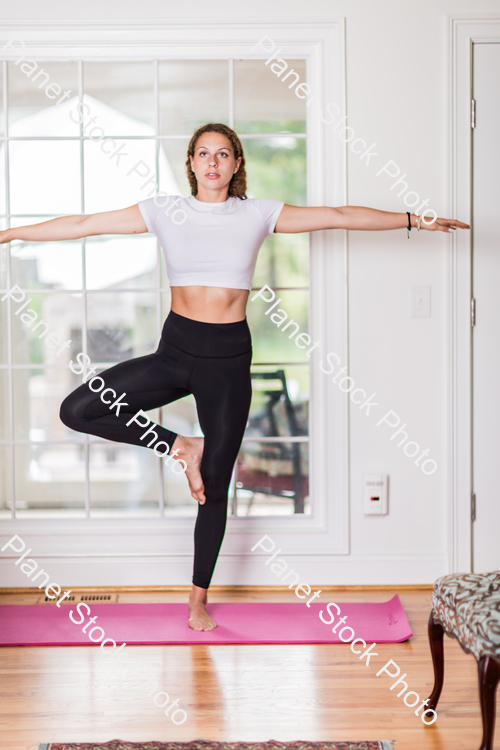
489 675
435 632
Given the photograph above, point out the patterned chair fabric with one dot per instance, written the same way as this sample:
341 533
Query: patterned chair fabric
468 607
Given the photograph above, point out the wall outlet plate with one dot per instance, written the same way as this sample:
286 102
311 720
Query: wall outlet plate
375 494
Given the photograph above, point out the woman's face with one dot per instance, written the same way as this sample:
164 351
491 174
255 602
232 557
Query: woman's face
214 161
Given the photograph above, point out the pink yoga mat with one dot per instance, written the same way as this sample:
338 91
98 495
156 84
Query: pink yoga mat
134 624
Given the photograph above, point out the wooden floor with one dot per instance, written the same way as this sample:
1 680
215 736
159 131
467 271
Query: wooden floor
246 693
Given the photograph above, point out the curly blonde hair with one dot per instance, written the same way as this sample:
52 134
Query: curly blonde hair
238 184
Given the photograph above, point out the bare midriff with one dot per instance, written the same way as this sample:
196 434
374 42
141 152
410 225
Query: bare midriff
210 304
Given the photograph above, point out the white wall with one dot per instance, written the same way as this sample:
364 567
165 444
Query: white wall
397 62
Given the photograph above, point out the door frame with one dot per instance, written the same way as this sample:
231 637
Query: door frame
465 31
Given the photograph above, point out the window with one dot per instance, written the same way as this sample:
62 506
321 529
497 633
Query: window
108 296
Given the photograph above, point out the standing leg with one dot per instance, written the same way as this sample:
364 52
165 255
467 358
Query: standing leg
489 675
435 632
222 388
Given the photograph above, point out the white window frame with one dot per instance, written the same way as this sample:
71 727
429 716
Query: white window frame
116 551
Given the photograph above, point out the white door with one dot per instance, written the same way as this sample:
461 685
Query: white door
486 292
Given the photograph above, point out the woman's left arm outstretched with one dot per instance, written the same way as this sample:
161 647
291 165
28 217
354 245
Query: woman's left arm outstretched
294 219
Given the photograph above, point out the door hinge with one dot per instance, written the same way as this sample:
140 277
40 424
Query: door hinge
473 113
473 507
472 312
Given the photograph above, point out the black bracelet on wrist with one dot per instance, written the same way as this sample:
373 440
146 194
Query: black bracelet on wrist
408 228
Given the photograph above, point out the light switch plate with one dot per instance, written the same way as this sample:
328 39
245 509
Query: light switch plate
420 301
375 494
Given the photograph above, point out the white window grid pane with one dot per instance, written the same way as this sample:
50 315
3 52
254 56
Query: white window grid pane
158 289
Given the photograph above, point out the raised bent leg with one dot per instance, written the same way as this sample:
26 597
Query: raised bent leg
435 632
106 405
489 675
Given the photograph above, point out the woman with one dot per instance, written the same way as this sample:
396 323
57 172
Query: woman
205 346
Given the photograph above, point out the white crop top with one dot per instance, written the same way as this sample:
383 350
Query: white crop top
217 244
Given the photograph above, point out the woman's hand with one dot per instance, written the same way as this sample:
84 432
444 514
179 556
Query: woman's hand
5 236
442 225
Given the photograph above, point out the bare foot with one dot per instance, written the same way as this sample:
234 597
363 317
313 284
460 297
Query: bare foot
199 619
191 451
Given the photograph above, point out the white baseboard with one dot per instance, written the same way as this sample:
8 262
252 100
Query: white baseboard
232 570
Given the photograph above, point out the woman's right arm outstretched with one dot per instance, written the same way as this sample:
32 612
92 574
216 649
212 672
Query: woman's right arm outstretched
125 221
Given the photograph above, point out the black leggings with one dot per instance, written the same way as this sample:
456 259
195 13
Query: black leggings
209 360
